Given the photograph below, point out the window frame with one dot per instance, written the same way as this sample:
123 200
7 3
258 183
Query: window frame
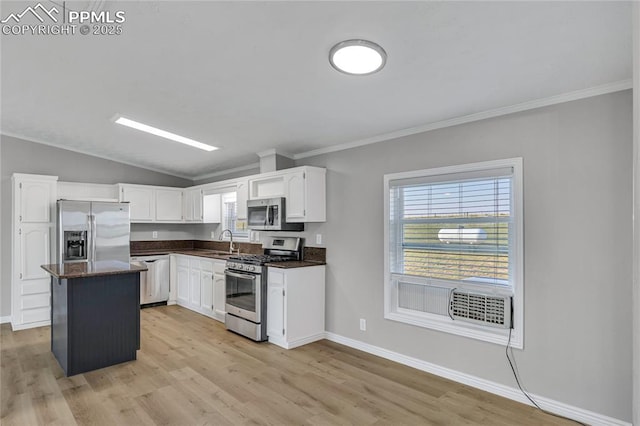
445 323
221 226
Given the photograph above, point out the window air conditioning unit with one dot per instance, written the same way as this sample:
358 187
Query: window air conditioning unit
484 309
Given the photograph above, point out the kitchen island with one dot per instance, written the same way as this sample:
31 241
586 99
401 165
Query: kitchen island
95 314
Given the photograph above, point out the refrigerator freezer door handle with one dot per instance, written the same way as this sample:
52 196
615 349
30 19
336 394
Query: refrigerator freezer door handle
93 237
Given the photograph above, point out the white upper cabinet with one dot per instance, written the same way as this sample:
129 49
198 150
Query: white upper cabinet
168 205
212 208
142 200
87 191
153 203
242 195
193 205
304 189
35 200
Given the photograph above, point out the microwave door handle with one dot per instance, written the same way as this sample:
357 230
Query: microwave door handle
267 216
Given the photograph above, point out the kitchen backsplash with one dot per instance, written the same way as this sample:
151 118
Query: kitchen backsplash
310 253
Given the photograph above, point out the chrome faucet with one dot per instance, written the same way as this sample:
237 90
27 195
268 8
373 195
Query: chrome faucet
231 248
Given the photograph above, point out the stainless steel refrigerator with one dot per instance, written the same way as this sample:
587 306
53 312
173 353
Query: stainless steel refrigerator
91 231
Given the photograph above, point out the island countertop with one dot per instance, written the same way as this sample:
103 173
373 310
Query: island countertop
91 269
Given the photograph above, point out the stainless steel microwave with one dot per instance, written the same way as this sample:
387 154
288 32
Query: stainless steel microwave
270 214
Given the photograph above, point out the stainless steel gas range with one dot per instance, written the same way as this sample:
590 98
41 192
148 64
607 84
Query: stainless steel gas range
246 285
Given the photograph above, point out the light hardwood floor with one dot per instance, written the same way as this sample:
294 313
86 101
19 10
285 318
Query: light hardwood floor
191 371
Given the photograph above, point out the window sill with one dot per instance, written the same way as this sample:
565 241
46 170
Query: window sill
460 328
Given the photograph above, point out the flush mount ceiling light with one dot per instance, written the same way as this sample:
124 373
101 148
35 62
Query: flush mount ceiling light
357 57
163 133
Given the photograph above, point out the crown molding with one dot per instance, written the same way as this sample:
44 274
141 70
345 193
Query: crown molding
497 112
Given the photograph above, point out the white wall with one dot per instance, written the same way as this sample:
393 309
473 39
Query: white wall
578 280
21 156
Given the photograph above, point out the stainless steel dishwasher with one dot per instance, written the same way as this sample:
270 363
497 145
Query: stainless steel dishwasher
154 283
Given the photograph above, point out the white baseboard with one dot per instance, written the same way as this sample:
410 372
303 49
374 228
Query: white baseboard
6 319
580 414
18 327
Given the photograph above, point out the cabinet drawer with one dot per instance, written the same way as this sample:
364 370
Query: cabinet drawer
219 267
182 261
206 265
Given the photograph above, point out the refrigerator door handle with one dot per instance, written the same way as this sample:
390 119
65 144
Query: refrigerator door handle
89 248
93 238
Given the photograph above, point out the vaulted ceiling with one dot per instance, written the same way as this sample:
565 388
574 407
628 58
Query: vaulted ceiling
251 76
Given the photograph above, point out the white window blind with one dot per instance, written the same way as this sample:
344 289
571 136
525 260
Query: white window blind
453 227
229 215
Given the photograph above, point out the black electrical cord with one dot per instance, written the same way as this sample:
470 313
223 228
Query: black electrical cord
515 375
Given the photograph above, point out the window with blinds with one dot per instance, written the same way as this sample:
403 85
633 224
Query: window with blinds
452 228
229 215
455 230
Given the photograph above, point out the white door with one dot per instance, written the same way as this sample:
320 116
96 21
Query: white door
142 201
169 205
34 250
294 187
206 301
35 202
182 277
196 203
33 281
275 311
242 195
194 286
219 293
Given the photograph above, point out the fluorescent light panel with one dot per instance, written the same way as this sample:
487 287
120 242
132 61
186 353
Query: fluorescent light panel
163 134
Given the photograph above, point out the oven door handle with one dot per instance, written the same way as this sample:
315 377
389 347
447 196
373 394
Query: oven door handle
235 274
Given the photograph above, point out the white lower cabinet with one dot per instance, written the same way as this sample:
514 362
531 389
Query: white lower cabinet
295 305
199 285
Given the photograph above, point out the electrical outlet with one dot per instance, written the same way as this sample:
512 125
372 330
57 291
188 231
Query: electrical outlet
363 324
154 234
213 235
318 238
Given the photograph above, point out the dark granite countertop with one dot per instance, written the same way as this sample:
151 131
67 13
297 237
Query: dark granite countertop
294 264
212 254
313 256
91 269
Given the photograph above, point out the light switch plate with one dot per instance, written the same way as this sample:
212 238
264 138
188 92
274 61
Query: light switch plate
318 238
213 235
154 234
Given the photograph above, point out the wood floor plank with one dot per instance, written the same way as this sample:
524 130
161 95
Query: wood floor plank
191 371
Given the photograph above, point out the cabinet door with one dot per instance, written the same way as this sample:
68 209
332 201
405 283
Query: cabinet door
295 195
193 205
142 201
196 202
35 242
212 205
275 311
194 285
219 293
206 301
169 205
242 195
35 202
182 277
